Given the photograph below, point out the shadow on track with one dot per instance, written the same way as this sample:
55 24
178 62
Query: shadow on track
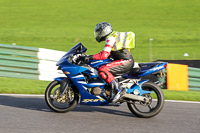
30 103
103 109
38 104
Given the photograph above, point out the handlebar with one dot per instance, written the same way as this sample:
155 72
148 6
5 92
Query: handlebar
75 59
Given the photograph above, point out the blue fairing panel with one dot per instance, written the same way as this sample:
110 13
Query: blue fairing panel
97 63
83 87
139 88
59 78
154 69
73 69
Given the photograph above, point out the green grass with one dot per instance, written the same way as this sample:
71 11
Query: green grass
22 86
182 95
60 24
26 86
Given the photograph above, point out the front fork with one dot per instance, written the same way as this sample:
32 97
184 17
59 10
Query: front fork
64 84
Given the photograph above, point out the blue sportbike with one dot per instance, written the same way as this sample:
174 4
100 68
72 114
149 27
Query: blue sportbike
83 85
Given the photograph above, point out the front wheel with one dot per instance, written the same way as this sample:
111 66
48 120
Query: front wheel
150 108
61 102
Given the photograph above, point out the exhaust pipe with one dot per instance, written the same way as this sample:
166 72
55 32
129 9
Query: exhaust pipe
135 97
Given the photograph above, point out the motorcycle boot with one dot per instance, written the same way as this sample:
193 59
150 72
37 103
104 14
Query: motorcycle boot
115 88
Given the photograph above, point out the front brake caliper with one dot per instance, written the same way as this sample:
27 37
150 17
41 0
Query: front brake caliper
58 97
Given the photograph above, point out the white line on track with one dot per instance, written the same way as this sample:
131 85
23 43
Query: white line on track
22 95
32 95
177 101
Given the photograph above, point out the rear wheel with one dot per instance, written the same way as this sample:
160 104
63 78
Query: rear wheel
61 102
151 107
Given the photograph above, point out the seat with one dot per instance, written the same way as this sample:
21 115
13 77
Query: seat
136 68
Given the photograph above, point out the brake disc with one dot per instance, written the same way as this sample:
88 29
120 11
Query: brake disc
58 97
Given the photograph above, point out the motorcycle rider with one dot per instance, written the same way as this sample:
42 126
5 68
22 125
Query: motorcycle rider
117 47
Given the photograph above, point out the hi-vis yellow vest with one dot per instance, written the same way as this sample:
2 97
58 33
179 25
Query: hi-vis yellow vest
123 40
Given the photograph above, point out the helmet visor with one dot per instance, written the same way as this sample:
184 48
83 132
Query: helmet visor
96 34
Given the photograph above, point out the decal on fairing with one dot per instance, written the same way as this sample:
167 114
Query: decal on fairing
96 62
78 76
158 68
92 100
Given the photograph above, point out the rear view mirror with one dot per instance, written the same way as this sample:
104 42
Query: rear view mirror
79 49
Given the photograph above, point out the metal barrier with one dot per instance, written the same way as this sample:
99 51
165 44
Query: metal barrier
194 78
29 62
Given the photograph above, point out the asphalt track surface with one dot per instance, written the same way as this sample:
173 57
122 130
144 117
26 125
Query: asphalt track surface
30 114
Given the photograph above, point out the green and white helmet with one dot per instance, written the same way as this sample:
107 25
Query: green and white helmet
102 30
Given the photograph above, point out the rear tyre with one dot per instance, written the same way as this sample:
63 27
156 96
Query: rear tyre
61 103
153 106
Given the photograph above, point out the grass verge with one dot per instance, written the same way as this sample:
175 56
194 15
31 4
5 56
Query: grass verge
182 95
60 24
22 86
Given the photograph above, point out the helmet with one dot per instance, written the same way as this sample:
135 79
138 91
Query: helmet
102 30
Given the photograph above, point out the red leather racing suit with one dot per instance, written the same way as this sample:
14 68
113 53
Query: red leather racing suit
123 61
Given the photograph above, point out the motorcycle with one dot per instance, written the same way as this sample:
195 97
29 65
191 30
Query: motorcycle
83 85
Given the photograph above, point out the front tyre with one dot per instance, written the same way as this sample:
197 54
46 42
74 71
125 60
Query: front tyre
150 108
61 102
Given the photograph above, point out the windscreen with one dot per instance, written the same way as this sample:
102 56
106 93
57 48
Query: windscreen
77 48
